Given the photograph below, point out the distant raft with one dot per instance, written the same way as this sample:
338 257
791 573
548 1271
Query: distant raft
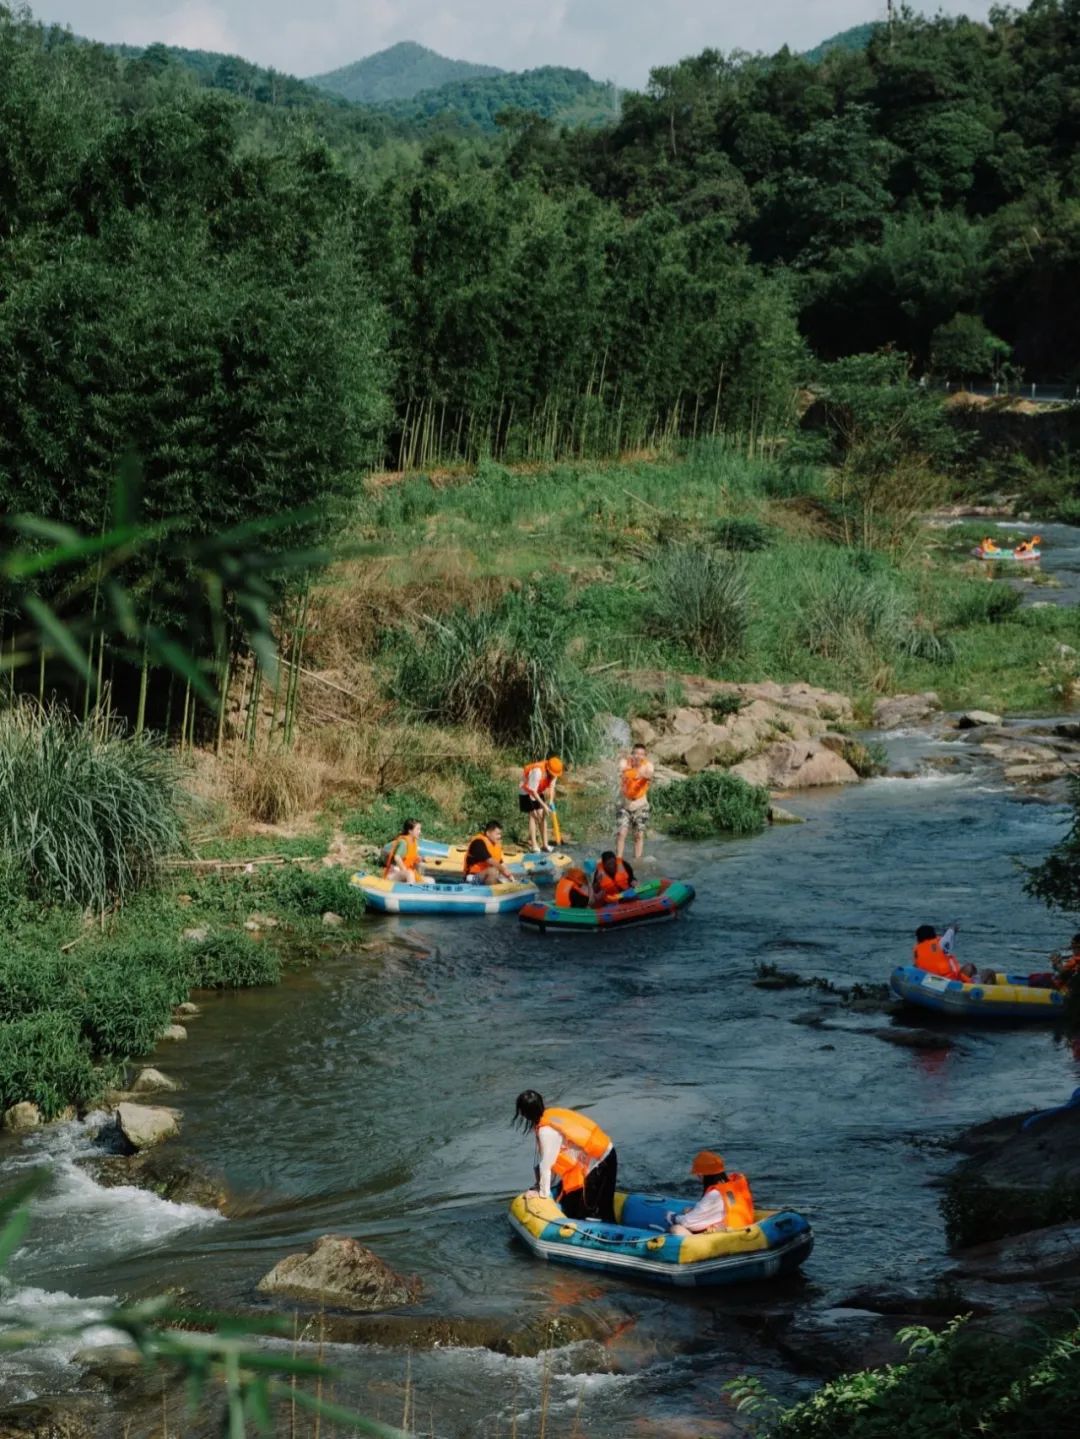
657 899
1021 557
449 859
394 897
639 1247
1010 997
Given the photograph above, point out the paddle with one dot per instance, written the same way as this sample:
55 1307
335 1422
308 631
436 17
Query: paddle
556 827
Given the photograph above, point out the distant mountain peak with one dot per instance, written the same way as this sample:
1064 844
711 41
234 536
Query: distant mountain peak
399 72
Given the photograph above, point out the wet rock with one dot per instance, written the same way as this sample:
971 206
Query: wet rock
114 1364
912 1301
168 1174
777 815
152 1081
22 1117
54 1416
901 710
187 1009
974 719
144 1125
1050 1253
642 732
1036 773
174 1032
339 1270
331 920
913 1038
1047 1155
198 934
835 1341
795 764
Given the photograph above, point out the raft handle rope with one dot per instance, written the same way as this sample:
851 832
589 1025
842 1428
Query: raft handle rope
587 1233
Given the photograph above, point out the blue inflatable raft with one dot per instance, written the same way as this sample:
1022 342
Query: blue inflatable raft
639 1246
392 897
448 861
1010 997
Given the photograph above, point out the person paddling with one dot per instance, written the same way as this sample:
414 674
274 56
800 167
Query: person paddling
935 954
572 1148
725 1203
403 862
484 863
632 811
536 798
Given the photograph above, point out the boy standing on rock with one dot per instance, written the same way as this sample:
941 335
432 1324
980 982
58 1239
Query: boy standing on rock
632 810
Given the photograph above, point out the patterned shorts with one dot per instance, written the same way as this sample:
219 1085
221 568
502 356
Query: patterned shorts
635 818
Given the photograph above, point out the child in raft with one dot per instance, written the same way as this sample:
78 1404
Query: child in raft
403 862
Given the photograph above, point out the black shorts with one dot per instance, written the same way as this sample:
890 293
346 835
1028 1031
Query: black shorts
528 805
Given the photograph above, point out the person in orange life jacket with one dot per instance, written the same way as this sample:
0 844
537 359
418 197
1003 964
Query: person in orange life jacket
572 890
570 1147
536 797
725 1203
484 862
612 877
936 954
1065 970
403 861
632 810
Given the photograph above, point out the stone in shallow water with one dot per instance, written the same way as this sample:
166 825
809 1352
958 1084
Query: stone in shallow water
144 1125
151 1081
22 1117
174 1031
972 719
340 1270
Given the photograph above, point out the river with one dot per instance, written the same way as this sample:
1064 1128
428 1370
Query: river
371 1094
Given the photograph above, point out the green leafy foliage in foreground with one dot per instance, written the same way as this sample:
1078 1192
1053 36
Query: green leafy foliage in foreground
712 803
86 812
960 1383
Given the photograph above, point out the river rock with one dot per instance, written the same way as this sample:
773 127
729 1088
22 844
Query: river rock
174 1031
796 764
339 1270
144 1125
168 1174
197 934
1047 1155
114 1364
913 1038
152 1081
331 920
901 710
642 732
1036 773
187 1009
836 1341
22 1117
778 815
975 719
1050 1253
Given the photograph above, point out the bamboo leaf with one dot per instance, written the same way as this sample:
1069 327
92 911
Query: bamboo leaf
53 629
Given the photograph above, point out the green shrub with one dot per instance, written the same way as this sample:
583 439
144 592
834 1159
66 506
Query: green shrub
382 817
508 671
711 803
310 893
741 533
702 601
985 604
31 982
124 1009
867 760
86 816
43 1058
230 960
721 706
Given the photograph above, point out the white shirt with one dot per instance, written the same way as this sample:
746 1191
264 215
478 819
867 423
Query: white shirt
530 784
710 1209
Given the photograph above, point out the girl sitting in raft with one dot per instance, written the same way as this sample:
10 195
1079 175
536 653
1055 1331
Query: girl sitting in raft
572 890
403 862
725 1203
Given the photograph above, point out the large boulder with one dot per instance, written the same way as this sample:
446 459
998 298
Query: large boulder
975 719
166 1173
144 1125
22 1117
1046 1155
900 710
152 1081
340 1271
796 764
1051 1253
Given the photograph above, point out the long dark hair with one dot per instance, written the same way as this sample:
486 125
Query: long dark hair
528 1109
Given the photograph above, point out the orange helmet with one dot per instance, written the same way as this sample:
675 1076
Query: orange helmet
577 875
707 1163
555 765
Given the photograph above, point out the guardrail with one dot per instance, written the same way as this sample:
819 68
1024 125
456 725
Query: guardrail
1036 394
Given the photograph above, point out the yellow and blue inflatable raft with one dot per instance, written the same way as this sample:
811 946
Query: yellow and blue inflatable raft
1009 997
449 859
639 1246
390 896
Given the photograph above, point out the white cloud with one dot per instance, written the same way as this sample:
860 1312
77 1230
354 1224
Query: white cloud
617 39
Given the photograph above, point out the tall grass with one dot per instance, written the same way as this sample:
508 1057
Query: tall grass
712 803
702 600
508 671
87 812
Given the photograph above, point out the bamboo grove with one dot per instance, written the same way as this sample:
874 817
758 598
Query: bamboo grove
243 305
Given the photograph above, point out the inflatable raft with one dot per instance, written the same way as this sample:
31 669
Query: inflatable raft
449 859
1010 997
1026 557
392 897
658 899
639 1247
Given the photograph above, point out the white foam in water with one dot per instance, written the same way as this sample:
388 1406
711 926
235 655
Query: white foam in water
74 1218
25 1373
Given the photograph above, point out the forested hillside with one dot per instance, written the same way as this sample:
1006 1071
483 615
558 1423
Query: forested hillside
570 97
857 38
399 73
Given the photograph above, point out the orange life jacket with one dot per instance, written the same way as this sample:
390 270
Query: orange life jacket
1067 971
546 777
409 857
610 888
582 1140
634 784
565 889
495 854
738 1201
929 955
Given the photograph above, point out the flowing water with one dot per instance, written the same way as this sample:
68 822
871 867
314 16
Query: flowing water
371 1095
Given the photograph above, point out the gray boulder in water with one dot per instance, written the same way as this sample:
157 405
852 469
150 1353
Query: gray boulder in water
340 1271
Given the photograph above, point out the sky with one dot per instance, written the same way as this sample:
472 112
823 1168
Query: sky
613 39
